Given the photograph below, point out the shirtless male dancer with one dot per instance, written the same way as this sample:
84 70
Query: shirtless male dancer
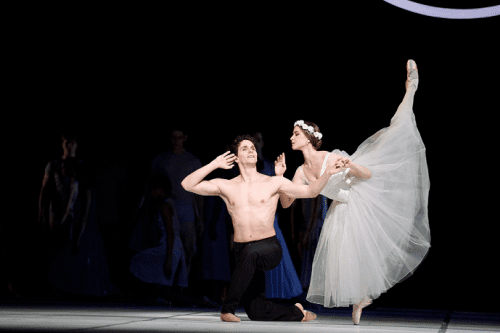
251 199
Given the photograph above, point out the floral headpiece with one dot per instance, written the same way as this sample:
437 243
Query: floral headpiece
308 128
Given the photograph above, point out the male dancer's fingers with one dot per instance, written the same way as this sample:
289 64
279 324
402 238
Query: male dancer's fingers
228 154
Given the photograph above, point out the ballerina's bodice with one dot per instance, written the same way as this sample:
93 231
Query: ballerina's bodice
338 185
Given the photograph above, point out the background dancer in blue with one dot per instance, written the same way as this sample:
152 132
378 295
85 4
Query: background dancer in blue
314 213
160 259
281 281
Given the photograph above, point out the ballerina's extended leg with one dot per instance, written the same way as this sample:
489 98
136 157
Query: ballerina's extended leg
411 85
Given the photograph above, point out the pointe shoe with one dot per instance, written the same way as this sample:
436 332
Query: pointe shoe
358 308
412 74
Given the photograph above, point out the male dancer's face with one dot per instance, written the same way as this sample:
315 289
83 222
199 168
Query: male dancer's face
247 154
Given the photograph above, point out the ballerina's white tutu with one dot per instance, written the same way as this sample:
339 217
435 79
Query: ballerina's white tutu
376 231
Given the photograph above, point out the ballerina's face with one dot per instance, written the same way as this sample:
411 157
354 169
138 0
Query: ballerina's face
298 138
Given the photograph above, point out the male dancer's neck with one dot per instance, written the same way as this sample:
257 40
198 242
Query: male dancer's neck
248 172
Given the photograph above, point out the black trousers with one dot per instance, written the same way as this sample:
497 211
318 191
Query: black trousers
248 282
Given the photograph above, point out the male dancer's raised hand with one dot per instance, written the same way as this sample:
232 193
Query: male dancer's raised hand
195 183
225 161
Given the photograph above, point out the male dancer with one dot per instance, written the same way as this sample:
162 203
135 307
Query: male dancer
251 199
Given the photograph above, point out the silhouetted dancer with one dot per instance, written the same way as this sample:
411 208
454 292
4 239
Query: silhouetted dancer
176 164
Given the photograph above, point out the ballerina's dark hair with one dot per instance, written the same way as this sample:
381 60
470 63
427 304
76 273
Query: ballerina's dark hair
316 143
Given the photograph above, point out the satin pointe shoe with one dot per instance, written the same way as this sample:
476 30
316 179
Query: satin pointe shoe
358 308
412 74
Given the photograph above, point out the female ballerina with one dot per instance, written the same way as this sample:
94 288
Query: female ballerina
376 231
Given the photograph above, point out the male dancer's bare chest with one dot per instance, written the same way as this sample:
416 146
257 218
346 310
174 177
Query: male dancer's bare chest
253 195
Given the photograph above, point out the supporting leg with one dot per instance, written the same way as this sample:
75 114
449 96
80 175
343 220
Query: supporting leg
248 283
246 264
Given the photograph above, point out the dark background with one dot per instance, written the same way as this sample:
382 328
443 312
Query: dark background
122 77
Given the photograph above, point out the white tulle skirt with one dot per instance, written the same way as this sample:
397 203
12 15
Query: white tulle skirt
381 234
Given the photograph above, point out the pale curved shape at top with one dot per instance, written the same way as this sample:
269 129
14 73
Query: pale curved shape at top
450 13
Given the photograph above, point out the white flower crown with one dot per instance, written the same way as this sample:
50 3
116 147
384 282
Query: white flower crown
308 128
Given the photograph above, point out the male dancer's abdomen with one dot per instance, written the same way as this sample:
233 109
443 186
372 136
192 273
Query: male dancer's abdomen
251 228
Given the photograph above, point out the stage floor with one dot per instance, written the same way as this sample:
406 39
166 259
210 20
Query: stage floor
93 317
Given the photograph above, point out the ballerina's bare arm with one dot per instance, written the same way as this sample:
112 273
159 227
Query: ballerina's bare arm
308 191
286 201
356 169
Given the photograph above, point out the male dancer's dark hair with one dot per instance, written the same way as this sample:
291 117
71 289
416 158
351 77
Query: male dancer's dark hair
236 143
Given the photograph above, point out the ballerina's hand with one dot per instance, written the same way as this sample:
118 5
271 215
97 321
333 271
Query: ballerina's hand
225 161
280 165
347 162
335 167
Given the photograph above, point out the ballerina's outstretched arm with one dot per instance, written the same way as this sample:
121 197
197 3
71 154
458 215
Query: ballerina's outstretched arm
356 169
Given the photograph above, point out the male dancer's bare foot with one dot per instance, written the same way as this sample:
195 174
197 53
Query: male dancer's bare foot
229 317
308 315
